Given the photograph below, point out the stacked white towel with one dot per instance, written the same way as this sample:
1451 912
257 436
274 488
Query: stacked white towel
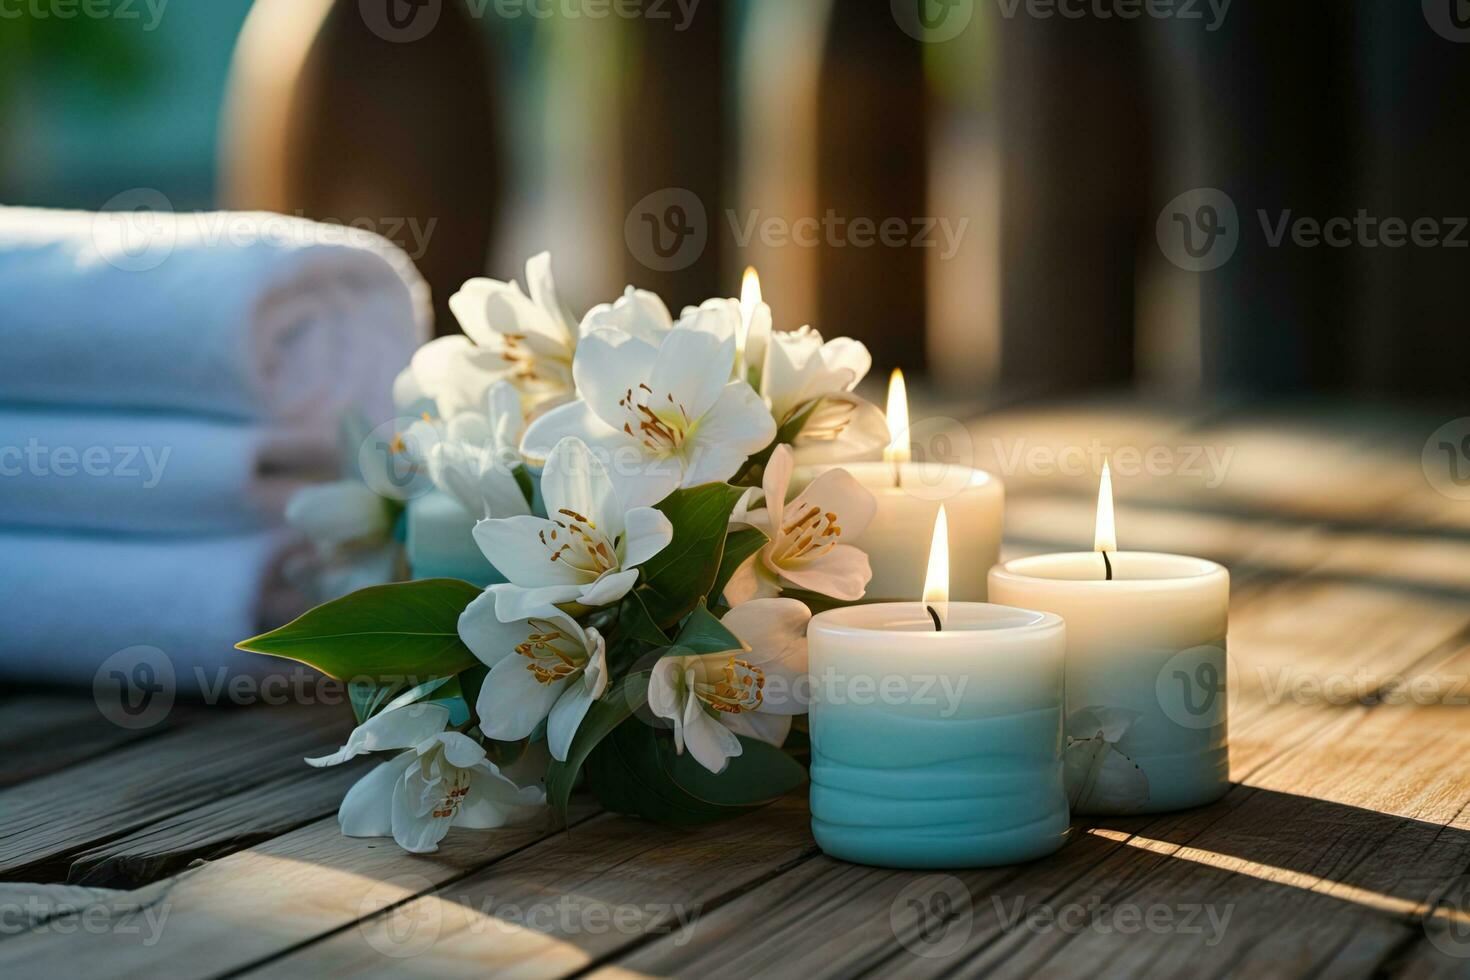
168 381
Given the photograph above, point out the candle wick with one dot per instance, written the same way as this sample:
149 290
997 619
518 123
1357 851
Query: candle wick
938 626
1108 565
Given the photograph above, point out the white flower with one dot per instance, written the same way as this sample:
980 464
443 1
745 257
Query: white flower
806 550
712 698
528 341
637 312
1100 778
541 669
669 416
341 514
803 375
587 552
442 780
350 529
472 456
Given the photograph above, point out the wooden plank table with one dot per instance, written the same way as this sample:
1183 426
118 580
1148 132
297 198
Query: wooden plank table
1343 848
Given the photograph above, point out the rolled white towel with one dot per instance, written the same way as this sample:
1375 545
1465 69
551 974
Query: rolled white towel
71 602
152 473
245 315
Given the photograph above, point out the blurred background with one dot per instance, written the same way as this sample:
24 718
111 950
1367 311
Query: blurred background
1008 197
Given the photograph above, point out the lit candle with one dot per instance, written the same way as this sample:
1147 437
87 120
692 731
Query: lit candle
1145 638
936 730
751 305
909 493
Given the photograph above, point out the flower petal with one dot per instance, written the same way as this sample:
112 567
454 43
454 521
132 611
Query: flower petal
494 800
735 427
773 631
691 371
400 728
514 546
609 365
339 513
776 483
367 809
456 374
609 588
542 285
572 419
842 573
415 834
575 480
512 701
460 750
647 532
837 491
769 728
638 313
711 743
843 428
512 602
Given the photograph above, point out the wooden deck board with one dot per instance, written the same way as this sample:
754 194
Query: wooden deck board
1344 850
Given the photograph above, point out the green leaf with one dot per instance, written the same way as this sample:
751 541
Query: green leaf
526 482
606 714
682 574
421 692
368 696
408 629
637 771
703 633
470 682
635 622
739 545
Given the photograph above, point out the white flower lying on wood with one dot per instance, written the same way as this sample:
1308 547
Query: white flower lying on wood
554 672
712 698
668 416
442 780
587 550
805 550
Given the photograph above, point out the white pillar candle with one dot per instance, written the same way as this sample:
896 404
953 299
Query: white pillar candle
1151 640
937 747
909 495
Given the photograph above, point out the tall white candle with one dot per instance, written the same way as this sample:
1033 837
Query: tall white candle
1151 641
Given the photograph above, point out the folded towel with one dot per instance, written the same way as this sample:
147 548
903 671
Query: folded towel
70 602
151 473
245 315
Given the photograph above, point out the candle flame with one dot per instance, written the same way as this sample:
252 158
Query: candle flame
1105 537
936 582
898 420
750 297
